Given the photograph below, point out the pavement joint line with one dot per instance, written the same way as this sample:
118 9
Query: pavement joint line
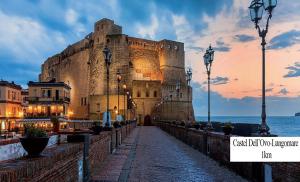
128 163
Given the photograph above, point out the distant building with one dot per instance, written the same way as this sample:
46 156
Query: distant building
10 105
46 99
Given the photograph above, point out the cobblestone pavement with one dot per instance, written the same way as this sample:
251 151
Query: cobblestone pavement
161 157
150 154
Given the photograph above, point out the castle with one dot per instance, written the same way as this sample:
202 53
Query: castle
151 70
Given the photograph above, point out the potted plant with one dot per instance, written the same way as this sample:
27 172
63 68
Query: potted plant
107 127
117 124
197 126
202 126
34 141
227 128
55 123
182 123
96 128
123 123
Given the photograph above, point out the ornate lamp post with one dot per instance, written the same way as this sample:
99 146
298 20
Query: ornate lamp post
257 8
107 58
208 59
127 98
119 78
188 80
124 88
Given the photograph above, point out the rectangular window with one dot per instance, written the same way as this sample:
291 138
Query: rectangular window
8 94
147 93
57 94
85 101
81 101
49 93
155 94
44 93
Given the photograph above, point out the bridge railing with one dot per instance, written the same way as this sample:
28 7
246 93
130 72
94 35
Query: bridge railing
216 145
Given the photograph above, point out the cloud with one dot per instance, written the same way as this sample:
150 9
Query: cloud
150 30
218 80
244 38
285 40
294 71
221 46
246 106
72 19
283 91
26 40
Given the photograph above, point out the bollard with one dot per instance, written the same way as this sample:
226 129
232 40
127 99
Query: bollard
86 162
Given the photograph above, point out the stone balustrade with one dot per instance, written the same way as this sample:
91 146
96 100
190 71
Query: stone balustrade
217 146
66 161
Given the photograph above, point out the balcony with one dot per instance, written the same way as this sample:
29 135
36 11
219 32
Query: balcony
48 99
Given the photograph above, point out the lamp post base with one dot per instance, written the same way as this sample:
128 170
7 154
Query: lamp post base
106 123
264 130
209 127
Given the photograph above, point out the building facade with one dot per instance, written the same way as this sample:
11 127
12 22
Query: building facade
150 69
46 99
10 105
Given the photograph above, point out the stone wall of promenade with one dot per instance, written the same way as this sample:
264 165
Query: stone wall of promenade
67 161
217 146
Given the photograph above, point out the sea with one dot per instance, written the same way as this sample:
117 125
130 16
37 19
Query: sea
279 125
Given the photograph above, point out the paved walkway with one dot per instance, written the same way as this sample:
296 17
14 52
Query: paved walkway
153 155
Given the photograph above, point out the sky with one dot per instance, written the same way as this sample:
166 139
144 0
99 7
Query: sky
33 30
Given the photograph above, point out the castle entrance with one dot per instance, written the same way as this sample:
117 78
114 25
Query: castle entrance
147 120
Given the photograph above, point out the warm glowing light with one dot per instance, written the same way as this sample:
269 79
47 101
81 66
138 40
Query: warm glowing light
30 109
3 125
21 114
70 113
39 108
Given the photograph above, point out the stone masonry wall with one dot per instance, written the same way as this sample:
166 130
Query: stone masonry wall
217 146
65 162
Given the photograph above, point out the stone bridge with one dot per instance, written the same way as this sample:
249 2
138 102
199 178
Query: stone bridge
164 152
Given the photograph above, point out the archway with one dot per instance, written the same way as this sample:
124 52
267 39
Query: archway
147 120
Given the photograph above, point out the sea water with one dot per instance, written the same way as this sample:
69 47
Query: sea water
279 125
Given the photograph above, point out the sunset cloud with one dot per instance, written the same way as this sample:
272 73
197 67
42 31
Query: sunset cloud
31 31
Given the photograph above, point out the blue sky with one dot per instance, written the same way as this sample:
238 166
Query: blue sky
32 30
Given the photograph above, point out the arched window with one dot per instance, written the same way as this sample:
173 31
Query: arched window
147 93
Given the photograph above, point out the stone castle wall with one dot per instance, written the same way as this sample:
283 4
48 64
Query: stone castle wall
82 66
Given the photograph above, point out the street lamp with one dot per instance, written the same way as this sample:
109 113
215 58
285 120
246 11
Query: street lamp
107 58
208 59
127 99
119 78
188 80
257 8
124 88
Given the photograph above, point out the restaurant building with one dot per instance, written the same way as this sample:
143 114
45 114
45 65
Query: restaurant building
47 99
10 105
